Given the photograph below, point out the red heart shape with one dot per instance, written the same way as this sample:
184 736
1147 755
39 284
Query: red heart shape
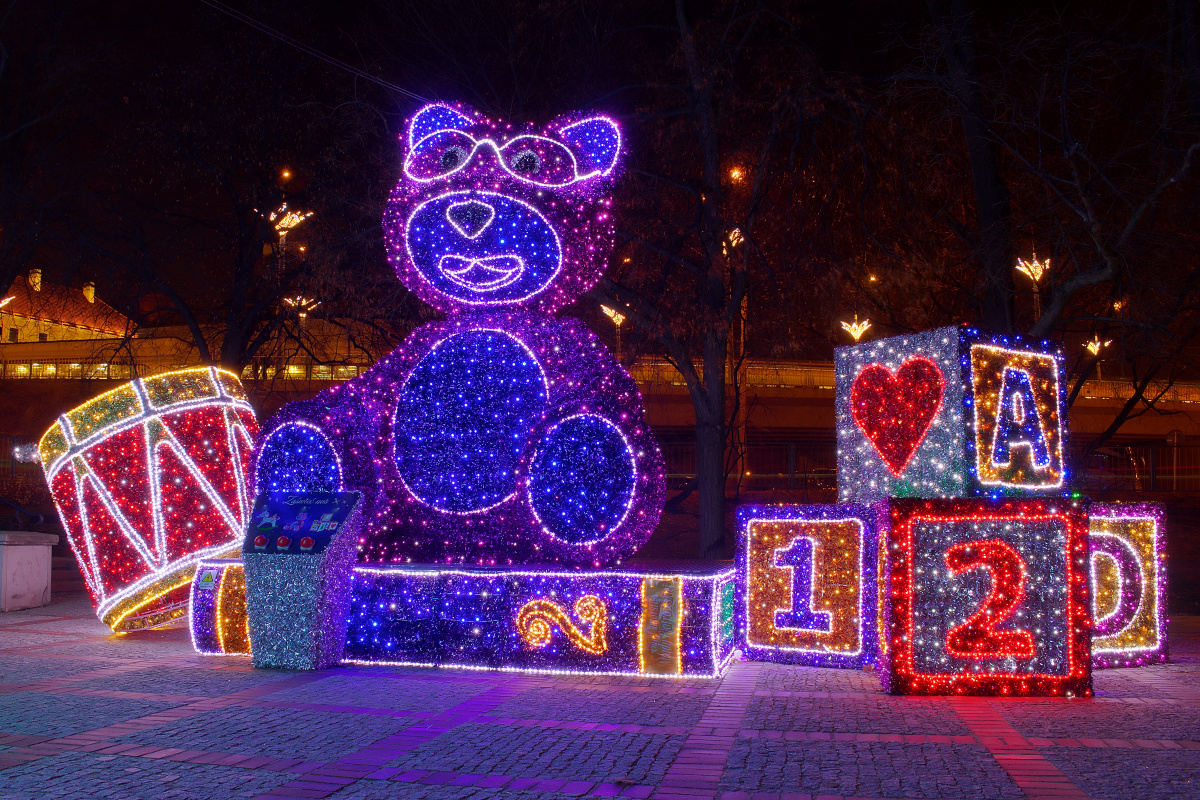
896 410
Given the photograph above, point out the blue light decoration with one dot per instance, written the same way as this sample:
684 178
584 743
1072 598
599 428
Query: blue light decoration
951 412
986 597
1018 424
300 457
807 591
500 435
617 622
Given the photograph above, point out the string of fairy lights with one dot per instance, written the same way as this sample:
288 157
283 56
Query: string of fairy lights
494 470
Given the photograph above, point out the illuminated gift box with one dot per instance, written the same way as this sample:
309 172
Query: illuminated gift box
806 583
624 621
1127 542
148 479
952 412
987 597
217 616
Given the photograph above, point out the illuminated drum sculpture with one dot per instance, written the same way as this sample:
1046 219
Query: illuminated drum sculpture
501 435
149 479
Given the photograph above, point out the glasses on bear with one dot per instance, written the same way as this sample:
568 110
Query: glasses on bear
530 158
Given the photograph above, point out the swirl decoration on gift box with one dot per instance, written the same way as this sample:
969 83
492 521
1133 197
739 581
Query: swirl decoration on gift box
537 620
501 435
148 479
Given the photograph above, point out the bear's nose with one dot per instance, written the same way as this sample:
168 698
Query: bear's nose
470 218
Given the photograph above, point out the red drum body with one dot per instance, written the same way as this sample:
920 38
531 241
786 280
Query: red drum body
150 478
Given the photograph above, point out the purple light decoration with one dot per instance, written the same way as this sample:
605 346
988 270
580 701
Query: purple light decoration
806 584
471 618
1127 543
467 618
500 435
494 214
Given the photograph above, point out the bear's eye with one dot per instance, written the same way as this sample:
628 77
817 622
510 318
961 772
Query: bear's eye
453 157
525 162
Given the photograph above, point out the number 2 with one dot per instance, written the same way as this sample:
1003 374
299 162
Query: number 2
978 637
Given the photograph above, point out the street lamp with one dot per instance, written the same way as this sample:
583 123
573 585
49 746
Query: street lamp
617 317
1094 347
1034 270
302 304
287 221
856 328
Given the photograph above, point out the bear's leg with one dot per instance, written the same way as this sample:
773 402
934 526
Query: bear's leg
297 457
582 479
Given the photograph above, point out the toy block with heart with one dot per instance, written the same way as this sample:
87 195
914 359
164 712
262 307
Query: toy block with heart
950 412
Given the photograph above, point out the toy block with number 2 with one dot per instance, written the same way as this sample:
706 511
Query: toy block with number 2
987 597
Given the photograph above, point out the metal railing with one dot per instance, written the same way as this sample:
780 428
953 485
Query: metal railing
1138 468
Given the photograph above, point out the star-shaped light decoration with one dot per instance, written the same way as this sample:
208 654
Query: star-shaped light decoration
856 328
1033 269
1094 346
616 316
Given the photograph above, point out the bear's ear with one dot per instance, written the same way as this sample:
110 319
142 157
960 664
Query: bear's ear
597 143
434 118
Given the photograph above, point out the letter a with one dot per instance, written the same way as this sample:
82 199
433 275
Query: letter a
1018 423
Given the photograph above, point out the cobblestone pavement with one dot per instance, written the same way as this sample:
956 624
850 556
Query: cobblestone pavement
89 715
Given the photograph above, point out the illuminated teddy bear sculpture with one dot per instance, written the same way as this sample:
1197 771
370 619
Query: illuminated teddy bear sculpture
501 435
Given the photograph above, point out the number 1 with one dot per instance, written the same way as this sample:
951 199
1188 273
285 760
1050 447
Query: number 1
801 558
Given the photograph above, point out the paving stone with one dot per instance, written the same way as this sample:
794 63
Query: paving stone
541 753
781 677
32 667
866 769
283 733
62 715
417 691
617 706
880 714
1121 774
71 776
1075 719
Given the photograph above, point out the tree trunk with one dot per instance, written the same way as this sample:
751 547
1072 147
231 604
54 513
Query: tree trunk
710 449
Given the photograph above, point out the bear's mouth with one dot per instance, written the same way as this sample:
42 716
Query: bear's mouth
485 274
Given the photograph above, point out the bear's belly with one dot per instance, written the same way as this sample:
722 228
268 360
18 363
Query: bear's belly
463 418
